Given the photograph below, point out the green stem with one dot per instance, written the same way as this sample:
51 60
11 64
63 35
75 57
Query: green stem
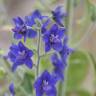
43 55
60 88
38 53
69 18
65 81
68 25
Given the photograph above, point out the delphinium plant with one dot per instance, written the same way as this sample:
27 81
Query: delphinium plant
50 34
38 62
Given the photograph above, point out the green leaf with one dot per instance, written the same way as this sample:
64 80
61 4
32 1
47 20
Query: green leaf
83 93
93 61
32 44
78 68
2 73
1 52
94 64
79 93
92 11
45 64
27 82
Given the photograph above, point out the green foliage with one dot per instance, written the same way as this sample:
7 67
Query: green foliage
27 83
79 93
76 2
83 93
78 68
2 73
1 52
45 63
93 61
92 10
78 62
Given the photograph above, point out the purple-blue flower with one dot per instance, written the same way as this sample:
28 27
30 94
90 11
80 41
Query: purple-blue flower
45 85
58 70
45 26
12 89
30 20
21 30
36 15
53 38
66 51
58 15
20 54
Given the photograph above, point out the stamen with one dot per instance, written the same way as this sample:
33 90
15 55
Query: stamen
54 38
45 82
21 54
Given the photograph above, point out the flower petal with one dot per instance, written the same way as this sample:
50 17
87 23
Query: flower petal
61 32
31 33
51 92
47 47
29 63
17 36
11 56
29 20
46 38
14 49
54 28
39 93
36 14
45 25
11 89
14 67
30 52
59 74
57 46
21 45
18 21
54 58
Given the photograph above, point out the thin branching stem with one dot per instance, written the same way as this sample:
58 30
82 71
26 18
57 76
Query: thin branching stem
38 54
68 25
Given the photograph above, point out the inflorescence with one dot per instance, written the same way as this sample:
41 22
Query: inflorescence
54 37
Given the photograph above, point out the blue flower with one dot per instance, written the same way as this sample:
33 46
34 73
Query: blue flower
66 51
31 19
19 54
11 89
58 67
58 15
45 85
45 26
21 30
53 38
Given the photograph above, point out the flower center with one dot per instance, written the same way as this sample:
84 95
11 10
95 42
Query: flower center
45 82
21 55
54 38
46 85
22 29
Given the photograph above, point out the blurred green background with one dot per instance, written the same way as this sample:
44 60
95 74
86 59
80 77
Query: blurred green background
81 24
